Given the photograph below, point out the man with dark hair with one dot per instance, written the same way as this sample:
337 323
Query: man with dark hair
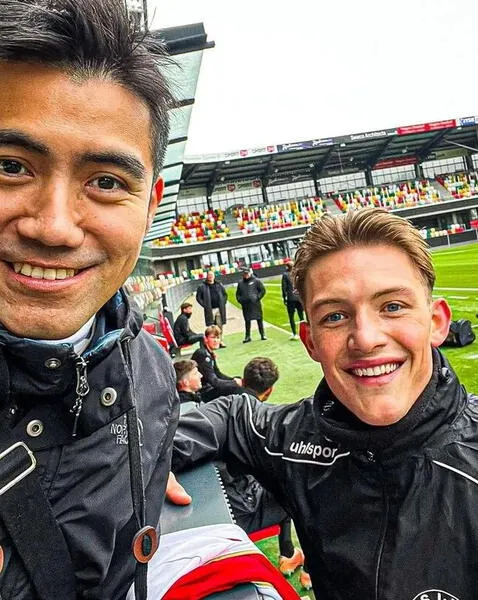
291 299
249 294
88 403
214 383
183 334
212 296
188 381
378 469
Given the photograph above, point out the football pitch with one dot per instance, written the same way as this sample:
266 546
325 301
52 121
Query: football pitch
457 281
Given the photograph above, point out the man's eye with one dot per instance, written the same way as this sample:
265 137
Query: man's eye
334 318
12 167
393 307
107 183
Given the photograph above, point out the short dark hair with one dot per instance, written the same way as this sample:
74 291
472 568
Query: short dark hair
92 38
183 367
260 374
185 305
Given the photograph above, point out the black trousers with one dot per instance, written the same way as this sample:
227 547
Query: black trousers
260 326
291 308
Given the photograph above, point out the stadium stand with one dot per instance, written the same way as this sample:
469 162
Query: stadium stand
292 213
391 197
460 185
196 227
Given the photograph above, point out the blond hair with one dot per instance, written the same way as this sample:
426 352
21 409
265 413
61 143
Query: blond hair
366 227
212 331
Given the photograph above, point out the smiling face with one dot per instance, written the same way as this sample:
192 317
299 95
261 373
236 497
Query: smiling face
372 326
75 193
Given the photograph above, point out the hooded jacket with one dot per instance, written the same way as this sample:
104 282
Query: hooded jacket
249 293
382 513
82 448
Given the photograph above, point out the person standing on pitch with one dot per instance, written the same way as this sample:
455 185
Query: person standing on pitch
291 299
249 294
212 296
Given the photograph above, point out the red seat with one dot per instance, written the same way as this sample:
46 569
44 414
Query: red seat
262 534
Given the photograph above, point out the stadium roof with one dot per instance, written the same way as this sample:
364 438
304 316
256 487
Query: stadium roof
297 161
186 44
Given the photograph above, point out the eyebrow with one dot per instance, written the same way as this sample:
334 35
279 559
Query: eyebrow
393 290
126 162
12 137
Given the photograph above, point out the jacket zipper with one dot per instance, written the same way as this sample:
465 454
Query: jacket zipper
82 389
372 458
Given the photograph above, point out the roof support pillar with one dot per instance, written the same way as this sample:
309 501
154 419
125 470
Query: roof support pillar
418 171
368 176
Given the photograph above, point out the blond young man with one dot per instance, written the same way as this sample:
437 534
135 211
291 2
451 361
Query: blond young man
378 469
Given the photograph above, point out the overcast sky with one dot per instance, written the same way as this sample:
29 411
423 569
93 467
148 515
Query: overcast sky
291 70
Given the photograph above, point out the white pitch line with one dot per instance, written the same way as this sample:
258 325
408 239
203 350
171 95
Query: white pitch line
454 289
459 297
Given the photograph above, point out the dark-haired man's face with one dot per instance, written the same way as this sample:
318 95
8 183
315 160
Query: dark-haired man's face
75 196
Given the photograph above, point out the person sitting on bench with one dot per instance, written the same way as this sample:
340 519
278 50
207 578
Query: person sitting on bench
254 507
214 382
183 333
188 381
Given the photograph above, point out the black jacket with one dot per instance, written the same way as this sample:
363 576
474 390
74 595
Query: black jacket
214 382
249 293
289 293
203 296
182 330
382 513
87 477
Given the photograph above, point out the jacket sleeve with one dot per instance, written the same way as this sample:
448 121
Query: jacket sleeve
224 292
261 290
284 287
200 295
239 297
223 428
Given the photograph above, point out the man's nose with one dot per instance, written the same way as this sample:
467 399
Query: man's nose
367 333
53 219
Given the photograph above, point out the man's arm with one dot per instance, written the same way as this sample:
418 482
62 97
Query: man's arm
200 295
221 429
261 289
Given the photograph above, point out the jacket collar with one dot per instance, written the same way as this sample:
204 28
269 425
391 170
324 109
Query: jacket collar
25 368
436 408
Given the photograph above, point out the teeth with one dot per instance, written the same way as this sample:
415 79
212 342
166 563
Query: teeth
376 371
26 270
40 273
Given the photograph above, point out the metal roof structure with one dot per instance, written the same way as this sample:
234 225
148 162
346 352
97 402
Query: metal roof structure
186 45
314 159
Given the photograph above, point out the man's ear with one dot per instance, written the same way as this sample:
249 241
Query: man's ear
156 197
441 318
306 339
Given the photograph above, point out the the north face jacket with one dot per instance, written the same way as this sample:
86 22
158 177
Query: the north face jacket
87 476
382 513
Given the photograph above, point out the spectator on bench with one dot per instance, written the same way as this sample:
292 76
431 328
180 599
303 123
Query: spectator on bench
215 383
183 333
188 381
253 507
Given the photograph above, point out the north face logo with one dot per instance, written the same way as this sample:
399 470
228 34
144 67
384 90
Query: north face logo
313 450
